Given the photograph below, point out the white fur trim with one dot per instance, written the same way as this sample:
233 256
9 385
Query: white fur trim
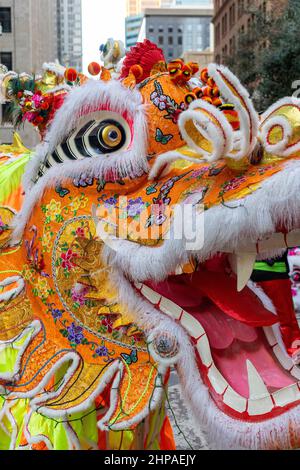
227 228
249 120
219 135
13 293
131 162
270 120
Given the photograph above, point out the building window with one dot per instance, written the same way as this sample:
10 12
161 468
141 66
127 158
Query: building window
5 112
240 8
151 29
232 46
160 40
179 40
6 59
5 19
160 29
170 40
170 29
224 25
232 15
180 30
218 34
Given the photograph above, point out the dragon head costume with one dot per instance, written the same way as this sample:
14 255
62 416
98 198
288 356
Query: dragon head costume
127 250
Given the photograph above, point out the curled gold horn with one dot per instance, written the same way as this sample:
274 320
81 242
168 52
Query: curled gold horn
231 90
206 130
280 128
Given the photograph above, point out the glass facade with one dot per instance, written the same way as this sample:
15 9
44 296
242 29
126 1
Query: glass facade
176 34
196 3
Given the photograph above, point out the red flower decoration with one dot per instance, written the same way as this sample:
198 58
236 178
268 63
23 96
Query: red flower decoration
146 54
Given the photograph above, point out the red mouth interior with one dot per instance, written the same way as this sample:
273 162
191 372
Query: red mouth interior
232 341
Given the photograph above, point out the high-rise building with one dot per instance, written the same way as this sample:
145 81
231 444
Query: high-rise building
134 17
28 38
135 7
178 30
196 3
232 18
69 29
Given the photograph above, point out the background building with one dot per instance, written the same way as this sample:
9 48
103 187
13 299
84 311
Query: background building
132 28
69 28
34 32
134 17
196 3
232 19
28 39
178 30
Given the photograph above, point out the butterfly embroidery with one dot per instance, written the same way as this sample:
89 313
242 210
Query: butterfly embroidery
61 191
130 359
151 189
161 138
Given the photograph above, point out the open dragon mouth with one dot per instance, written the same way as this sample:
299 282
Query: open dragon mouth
240 353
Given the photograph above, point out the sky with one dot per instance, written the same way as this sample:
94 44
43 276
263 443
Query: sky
102 19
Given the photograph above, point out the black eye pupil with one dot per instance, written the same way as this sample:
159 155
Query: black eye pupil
113 135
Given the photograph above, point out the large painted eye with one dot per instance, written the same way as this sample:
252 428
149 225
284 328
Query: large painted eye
98 134
111 135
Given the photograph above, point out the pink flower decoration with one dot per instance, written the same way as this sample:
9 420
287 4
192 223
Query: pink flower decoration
80 232
67 260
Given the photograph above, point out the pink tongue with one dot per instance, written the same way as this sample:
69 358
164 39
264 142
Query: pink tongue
232 342
221 329
232 365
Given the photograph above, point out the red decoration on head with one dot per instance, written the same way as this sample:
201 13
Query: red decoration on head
94 69
71 75
147 55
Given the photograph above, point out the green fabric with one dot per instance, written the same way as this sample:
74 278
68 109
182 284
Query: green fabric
277 267
11 174
84 424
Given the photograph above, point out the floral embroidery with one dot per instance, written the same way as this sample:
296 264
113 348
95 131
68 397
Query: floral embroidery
101 351
107 325
166 103
83 181
75 334
78 294
79 203
232 184
42 289
135 207
3 226
53 211
67 260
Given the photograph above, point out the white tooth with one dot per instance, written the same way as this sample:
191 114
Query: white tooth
178 270
259 401
270 336
204 351
242 264
293 238
284 359
217 380
245 263
234 400
171 309
192 325
257 387
260 406
150 294
277 240
286 395
295 372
